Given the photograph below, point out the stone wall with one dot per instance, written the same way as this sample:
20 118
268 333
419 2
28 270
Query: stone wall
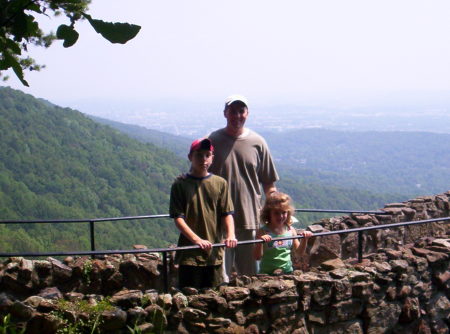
345 246
402 286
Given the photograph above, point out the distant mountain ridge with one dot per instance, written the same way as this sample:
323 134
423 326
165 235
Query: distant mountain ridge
309 187
399 111
403 163
410 163
177 144
390 162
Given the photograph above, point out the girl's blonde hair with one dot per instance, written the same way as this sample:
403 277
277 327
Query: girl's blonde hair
277 201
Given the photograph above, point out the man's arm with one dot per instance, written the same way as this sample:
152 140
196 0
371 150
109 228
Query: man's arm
258 248
269 188
188 233
230 239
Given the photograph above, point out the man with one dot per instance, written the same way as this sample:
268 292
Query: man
242 157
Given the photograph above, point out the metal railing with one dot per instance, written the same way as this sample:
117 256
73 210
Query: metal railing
165 251
92 221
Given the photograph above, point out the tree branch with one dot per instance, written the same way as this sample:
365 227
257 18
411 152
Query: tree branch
17 12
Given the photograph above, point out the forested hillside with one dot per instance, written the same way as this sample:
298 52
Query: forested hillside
57 163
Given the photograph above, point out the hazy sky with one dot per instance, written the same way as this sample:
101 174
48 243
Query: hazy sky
286 50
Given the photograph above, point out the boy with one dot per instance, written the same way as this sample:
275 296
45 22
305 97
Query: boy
201 207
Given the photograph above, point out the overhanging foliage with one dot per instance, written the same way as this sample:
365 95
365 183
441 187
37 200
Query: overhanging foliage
19 29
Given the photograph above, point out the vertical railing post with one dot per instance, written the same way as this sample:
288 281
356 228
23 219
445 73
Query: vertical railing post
360 246
165 272
92 234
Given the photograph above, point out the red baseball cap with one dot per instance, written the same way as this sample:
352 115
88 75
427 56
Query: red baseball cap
201 144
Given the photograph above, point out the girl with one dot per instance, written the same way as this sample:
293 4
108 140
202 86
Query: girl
275 256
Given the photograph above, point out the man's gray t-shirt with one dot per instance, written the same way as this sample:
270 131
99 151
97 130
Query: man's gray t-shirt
245 162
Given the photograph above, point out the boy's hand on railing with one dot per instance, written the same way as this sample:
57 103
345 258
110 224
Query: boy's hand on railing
204 244
230 242
266 238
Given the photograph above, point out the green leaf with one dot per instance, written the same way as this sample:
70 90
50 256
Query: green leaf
9 61
34 7
13 46
24 26
19 26
114 32
68 34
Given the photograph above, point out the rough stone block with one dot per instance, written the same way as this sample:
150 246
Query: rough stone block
332 264
50 293
383 317
342 290
127 298
61 272
282 309
113 320
345 310
410 310
349 327
234 293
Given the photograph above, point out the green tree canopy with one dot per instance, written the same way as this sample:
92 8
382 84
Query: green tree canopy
19 29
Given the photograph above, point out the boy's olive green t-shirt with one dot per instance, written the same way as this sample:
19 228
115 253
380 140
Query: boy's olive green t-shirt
202 202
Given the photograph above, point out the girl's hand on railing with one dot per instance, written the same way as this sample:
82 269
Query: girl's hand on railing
306 234
266 238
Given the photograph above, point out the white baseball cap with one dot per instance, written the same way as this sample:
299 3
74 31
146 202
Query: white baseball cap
235 97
